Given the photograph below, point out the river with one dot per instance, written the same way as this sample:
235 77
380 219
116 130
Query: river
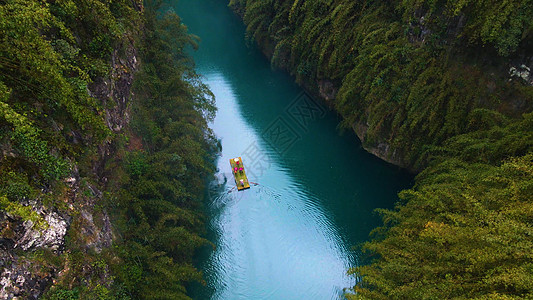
290 236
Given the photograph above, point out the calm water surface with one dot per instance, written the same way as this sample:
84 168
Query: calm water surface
290 236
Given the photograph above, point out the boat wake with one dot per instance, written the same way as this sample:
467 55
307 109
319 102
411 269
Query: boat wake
222 192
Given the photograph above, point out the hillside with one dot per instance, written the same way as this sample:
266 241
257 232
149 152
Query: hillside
104 151
404 77
445 89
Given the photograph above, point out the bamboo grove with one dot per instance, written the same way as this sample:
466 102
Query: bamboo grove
432 80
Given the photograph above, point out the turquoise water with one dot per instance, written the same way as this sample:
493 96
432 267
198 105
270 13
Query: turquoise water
290 236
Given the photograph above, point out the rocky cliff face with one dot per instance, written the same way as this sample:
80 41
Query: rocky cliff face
24 274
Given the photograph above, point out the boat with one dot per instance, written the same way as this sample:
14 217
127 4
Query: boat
237 168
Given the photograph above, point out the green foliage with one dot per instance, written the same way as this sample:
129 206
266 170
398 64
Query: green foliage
503 25
464 231
24 212
492 144
157 210
15 185
99 292
136 164
49 54
25 137
412 72
62 294
36 72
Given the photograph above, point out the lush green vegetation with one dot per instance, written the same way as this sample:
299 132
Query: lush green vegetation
51 52
415 73
464 231
52 55
162 178
46 67
430 79
159 173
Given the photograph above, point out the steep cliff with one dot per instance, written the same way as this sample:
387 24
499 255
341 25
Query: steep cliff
93 202
404 76
67 70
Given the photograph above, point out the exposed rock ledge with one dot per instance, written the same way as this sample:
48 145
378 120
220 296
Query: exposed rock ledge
51 238
382 150
21 276
21 281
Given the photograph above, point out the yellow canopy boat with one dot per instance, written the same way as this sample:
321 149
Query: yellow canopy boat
237 168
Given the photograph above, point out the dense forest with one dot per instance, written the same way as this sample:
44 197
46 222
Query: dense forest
443 88
104 151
